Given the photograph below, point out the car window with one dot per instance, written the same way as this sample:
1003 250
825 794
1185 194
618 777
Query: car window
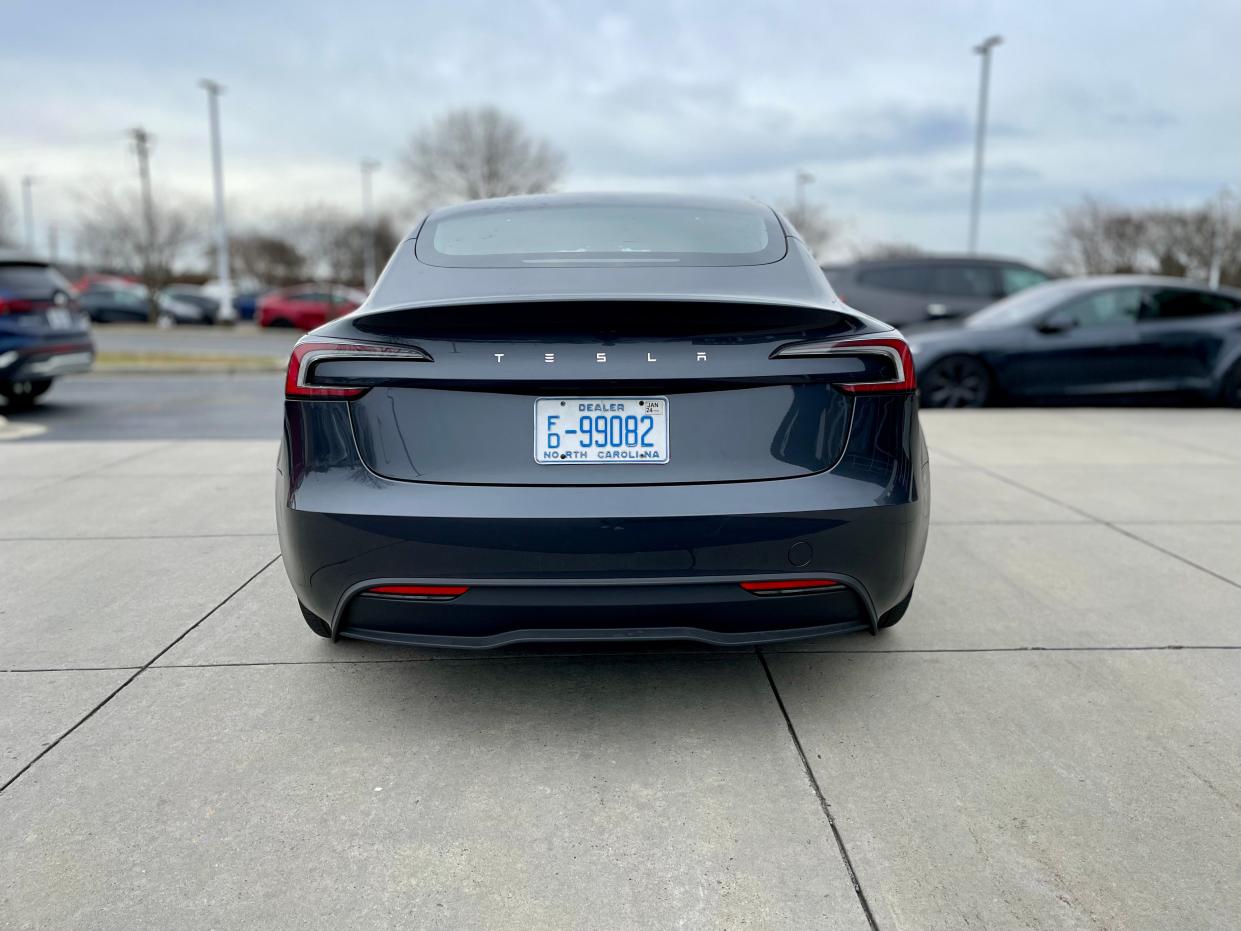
949 280
963 280
127 298
516 234
913 278
31 278
1014 278
1026 306
1109 307
1176 304
316 297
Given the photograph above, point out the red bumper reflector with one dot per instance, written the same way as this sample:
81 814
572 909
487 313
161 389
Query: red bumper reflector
421 591
787 585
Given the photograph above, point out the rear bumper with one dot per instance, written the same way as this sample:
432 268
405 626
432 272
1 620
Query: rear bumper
494 614
598 563
39 360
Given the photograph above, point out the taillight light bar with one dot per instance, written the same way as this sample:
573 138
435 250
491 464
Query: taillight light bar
891 347
788 586
421 592
15 306
298 381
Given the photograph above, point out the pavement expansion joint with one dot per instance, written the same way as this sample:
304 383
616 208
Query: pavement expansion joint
818 791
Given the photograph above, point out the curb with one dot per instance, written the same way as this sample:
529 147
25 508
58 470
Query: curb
187 369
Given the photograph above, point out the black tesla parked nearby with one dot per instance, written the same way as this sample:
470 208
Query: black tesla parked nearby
1129 336
579 417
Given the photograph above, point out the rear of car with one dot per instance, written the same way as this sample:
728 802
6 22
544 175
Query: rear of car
306 307
207 305
601 418
926 290
42 332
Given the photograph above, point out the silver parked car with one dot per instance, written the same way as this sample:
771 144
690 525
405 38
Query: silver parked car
928 288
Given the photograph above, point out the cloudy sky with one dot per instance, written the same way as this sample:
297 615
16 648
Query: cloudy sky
1136 101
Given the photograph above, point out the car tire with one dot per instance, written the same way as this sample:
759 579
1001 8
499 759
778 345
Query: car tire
21 395
955 381
280 323
165 321
314 622
896 612
1230 389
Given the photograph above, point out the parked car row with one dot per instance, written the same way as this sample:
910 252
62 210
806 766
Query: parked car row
122 302
114 299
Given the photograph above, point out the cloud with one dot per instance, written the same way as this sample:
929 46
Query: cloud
877 100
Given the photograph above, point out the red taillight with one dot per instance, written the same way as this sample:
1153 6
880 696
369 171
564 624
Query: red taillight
10 306
892 347
782 586
420 591
298 377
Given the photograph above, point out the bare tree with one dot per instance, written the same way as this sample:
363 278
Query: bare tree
112 234
476 153
267 258
812 222
7 217
332 241
1095 238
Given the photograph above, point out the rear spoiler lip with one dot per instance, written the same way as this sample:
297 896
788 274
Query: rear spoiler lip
367 309
872 324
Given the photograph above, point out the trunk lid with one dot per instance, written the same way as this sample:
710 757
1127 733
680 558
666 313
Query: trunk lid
733 412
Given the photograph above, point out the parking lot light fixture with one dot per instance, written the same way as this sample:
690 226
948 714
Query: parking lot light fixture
226 313
369 167
980 134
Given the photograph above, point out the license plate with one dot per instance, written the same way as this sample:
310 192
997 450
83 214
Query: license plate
578 431
59 319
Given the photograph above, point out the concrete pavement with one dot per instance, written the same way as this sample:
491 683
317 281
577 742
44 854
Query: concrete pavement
1047 740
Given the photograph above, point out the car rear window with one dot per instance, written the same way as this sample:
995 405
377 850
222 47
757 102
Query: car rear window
602 234
954 280
31 279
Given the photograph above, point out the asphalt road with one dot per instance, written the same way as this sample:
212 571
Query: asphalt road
1049 739
156 407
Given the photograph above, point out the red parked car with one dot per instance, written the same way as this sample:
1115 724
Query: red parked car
306 306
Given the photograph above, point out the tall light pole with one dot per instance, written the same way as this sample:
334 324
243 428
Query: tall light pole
369 167
800 180
142 148
226 313
28 210
980 133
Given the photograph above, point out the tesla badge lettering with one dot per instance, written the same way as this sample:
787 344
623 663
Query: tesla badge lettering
600 357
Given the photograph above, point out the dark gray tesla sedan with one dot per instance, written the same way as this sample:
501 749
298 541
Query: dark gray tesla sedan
601 417
1085 339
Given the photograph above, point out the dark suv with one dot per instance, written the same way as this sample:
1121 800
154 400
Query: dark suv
918 289
42 332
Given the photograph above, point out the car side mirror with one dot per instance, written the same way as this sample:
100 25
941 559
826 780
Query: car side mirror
1058 322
